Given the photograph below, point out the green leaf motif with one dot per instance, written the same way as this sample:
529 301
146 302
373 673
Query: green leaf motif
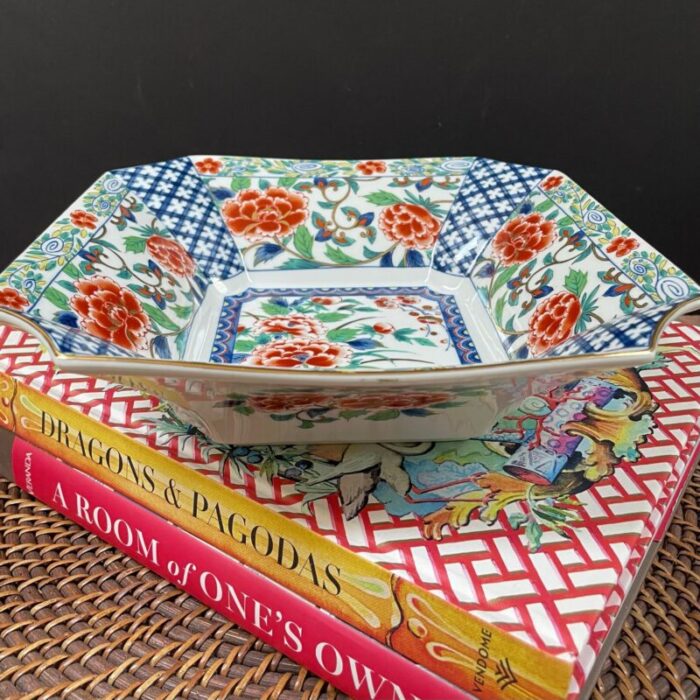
588 301
180 343
157 316
140 290
245 345
387 414
502 277
72 271
543 206
447 404
240 182
404 334
303 242
342 335
135 244
426 203
424 341
287 182
299 264
243 410
383 198
498 310
575 282
281 416
182 311
339 257
57 298
587 251
332 316
272 309
349 413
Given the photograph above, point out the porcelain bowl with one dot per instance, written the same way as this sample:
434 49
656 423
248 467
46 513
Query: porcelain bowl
282 301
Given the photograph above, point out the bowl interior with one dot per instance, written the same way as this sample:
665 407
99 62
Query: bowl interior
353 265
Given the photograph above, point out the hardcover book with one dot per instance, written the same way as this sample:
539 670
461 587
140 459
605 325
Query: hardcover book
499 563
357 665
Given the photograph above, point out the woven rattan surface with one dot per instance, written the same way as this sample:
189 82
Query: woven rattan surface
78 619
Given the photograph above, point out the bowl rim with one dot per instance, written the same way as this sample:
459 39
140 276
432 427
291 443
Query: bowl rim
465 374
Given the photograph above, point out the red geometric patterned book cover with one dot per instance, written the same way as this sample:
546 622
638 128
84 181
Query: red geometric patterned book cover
549 563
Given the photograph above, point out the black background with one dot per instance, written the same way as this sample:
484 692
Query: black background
608 92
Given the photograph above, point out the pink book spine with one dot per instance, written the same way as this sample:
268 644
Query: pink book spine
354 663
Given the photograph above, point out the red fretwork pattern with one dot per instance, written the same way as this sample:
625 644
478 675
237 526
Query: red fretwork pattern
561 598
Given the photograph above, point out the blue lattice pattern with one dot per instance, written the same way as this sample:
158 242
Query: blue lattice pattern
627 333
78 342
491 190
179 198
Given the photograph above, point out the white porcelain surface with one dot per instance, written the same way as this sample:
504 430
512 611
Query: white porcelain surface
276 301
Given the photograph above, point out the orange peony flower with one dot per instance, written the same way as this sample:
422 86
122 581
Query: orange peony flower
522 238
371 167
553 321
294 324
278 403
409 224
83 219
208 166
622 245
171 255
385 302
552 182
299 352
12 299
411 399
257 215
110 312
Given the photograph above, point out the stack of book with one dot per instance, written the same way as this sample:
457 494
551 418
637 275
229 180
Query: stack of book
395 571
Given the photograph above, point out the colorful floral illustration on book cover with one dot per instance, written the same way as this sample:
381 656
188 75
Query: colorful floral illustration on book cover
538 456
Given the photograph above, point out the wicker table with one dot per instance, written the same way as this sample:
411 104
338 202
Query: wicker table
78 619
